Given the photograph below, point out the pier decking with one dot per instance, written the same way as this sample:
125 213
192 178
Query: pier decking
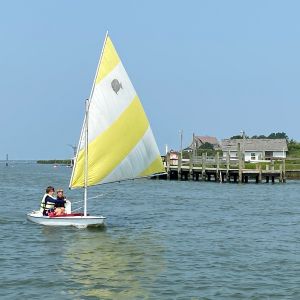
223 169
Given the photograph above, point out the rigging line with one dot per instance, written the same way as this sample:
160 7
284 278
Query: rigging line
77 209
76 202
97 196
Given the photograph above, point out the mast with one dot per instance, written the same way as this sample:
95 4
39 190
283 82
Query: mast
86 155
6 160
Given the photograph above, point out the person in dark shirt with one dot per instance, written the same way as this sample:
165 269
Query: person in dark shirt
60 207
49 201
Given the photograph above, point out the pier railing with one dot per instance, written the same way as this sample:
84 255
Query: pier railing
224 168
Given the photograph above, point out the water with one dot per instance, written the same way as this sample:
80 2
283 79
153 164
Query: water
163 240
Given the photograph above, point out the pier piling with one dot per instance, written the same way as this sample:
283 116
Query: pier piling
221 169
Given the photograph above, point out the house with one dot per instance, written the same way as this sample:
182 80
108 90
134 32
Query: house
255 149
174 155
201 140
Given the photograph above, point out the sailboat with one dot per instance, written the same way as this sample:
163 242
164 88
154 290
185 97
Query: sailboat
116 142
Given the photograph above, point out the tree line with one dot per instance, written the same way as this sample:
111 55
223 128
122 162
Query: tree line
273 135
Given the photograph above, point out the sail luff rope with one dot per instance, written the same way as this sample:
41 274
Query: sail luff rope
84 121
86 129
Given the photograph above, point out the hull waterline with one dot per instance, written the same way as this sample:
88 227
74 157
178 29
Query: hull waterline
77 221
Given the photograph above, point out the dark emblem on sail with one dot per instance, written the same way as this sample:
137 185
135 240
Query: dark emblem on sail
116 85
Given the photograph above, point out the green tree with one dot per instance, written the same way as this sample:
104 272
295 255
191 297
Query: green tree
236 137
278 135
207 146
259 137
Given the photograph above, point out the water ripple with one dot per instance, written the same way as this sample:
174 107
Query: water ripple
163 240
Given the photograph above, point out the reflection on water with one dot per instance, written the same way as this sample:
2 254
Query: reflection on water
106 266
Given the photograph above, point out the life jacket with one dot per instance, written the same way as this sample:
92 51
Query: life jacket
45 206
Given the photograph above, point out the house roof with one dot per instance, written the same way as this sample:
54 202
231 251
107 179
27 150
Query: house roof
254 144
207 139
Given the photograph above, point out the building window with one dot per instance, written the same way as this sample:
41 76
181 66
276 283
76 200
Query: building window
269 154
252 156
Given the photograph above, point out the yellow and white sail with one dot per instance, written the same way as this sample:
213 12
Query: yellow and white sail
121 144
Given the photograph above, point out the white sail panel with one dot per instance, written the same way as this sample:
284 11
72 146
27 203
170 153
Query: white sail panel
107 105
116 125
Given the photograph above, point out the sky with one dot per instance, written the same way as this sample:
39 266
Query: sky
204 67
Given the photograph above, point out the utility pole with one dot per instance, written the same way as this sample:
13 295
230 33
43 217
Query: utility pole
243 136
181 133
194 145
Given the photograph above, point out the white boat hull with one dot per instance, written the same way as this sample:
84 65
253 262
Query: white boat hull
77 221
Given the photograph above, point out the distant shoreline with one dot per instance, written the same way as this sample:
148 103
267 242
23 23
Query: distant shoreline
55 162
290 174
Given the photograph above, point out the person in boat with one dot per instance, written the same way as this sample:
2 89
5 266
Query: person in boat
59 208
49 201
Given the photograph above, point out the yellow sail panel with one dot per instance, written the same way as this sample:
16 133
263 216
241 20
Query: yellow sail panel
137 161
107 150
109 61
155 167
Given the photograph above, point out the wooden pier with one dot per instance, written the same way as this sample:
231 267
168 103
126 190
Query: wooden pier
223 169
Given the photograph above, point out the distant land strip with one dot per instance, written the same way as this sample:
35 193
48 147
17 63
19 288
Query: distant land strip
55 162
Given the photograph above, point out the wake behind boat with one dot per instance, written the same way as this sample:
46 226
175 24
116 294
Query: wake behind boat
116 142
